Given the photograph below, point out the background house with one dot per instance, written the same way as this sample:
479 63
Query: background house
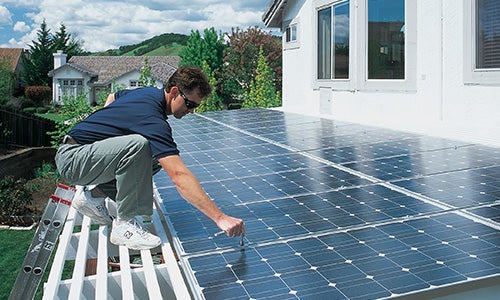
97 74
14 55
427 66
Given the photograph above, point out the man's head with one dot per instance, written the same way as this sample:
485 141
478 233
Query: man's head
190 79
187 87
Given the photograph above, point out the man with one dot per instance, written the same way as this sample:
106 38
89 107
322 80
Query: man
112 150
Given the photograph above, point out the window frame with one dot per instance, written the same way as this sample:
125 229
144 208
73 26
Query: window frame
473 75
134 84
358 51
342 84
292 44
70 87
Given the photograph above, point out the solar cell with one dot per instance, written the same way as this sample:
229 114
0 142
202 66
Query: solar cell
332 209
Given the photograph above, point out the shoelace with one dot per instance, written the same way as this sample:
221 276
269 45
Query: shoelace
142 232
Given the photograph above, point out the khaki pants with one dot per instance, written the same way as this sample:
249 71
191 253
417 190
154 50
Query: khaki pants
119 166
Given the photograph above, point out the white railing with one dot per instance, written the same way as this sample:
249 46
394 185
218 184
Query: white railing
148 280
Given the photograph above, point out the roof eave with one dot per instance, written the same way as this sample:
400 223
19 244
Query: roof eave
273 17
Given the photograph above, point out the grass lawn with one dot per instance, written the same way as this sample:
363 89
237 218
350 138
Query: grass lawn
53 117
13 246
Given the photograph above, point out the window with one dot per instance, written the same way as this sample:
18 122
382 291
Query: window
482 42
325 43
366 45
70 88
386 39
134 84
291 38
291 33
333 41
488 34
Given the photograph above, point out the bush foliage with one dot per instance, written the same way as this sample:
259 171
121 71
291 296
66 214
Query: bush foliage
74 110
14 197
38 94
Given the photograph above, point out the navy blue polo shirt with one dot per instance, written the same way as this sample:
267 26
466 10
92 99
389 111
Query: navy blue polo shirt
139 111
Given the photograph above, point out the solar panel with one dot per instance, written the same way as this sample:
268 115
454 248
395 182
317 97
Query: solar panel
372 262
332 209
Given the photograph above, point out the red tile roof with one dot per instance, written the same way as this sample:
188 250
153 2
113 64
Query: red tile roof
14 54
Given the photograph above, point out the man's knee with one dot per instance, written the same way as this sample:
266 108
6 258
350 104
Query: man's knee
139 146
137 139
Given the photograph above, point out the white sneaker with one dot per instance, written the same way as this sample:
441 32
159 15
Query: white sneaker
131 235
94 208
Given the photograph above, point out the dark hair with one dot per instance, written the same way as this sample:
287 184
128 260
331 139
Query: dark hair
189 79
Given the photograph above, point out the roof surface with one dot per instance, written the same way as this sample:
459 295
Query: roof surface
108 68
14 54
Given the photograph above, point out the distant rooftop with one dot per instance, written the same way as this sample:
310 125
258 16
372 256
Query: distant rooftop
107 68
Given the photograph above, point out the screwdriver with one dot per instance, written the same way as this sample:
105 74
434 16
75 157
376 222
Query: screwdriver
242 240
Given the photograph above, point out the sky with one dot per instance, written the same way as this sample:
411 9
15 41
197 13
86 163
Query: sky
101 25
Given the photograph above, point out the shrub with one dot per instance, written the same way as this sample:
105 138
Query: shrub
30 109
38 94
42 109
26 102
47 171
14 197
73 111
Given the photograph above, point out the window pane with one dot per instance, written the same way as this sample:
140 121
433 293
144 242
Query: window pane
386 39
488 34
294 32
325 43
341 40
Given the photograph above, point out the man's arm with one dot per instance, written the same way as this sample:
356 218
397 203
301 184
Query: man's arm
190 189
109 100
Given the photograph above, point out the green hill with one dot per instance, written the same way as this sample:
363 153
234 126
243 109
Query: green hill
166 44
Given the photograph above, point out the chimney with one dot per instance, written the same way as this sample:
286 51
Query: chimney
59 59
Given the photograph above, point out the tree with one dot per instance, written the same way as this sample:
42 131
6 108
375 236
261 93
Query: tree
191 54
213 102
209 48
6 80
145 79
40 60
66 42
241 59
262 91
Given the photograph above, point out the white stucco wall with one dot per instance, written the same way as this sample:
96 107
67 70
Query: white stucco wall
125 79
437 102
69 74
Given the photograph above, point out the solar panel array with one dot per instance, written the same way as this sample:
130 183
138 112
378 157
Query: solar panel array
332 209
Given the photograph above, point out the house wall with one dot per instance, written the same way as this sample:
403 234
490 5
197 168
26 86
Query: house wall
435 100
124 80
66 73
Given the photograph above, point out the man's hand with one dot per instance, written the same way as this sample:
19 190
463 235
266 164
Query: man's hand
232 226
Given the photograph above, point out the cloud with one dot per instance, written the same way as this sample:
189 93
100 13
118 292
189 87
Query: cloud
5 16
21 27
103 25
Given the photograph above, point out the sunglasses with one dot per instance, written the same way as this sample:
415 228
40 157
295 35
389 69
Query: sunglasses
189 104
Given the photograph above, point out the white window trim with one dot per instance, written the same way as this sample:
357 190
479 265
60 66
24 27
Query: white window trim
358 54
336 84
409 84
293 44
74 89
472 75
